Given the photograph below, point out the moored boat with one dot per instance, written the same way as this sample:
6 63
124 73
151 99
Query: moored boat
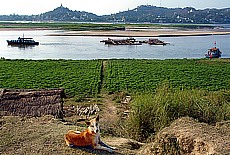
133 41
156 42
128 41
22 41
213 52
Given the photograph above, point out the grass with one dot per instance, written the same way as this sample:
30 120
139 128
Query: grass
93 26
64 26
45 136
38 136
152 112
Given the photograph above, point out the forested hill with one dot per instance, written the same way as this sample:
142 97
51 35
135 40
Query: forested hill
153 14
143 13
65 14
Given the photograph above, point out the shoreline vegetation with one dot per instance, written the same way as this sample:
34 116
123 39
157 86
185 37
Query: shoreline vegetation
118 30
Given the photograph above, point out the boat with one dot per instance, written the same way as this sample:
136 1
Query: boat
152 41
133 41
213 52
156 42
22 41
128 41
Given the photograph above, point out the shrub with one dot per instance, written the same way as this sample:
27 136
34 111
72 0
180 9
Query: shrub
154 111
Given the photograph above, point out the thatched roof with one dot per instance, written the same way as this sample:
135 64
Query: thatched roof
32 102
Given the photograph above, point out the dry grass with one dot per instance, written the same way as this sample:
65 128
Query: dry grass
44 135
190 137
40 136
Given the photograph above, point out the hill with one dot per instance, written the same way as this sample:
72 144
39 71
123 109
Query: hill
65 14
153 14
143 13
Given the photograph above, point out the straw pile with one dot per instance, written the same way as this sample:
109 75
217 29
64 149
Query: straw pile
32 102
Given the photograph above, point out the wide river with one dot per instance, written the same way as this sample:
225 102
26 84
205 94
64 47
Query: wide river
86 48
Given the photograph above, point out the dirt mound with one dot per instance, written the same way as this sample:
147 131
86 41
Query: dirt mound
187 136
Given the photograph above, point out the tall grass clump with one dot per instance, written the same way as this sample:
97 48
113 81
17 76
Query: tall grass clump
152 112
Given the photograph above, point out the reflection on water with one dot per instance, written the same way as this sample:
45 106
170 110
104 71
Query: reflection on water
22 47
79 47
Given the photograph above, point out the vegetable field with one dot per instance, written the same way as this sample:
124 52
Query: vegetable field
76 77
145 75
87 77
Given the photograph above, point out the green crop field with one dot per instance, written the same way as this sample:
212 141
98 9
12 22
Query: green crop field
145 75
76 77
85 77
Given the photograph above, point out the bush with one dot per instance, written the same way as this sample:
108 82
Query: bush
152 112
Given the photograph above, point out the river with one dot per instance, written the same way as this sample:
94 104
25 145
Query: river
87 48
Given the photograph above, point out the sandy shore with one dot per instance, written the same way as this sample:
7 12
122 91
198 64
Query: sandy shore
131 32
144 33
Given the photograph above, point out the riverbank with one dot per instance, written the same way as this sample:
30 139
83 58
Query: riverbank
144 33
130 32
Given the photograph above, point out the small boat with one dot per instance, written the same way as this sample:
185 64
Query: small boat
22 41
213 52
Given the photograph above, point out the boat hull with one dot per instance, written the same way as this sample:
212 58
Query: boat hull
213 53
212 56
21 43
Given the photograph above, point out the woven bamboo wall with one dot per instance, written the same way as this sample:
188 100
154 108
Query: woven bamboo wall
32 102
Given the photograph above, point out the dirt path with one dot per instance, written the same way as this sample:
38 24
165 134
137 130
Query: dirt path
110 109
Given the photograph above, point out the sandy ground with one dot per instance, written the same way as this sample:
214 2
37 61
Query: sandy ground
133 32
145 33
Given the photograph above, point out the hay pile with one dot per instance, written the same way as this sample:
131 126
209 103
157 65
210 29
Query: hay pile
81 110
32 102
186 136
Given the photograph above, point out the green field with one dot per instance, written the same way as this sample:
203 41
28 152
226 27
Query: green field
64 26
94 26
76 77
84 77
145 75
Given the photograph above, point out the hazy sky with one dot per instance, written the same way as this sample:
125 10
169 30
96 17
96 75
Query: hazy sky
99 7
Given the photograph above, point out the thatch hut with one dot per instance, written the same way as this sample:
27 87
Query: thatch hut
32 102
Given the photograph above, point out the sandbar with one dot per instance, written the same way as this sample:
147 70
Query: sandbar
131 32
144 33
